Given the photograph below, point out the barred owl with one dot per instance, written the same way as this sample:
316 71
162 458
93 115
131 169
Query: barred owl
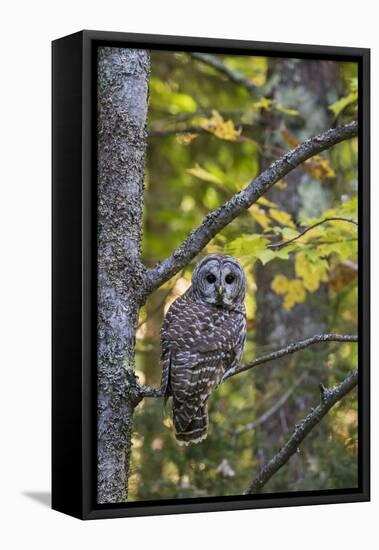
203 335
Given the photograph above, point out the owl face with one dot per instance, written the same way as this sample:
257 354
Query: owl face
219 280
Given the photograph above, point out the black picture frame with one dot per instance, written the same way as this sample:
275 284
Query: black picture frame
74 275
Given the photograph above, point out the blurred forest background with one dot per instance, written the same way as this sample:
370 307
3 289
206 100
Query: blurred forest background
208 137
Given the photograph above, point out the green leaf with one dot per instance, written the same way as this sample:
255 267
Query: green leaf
283 254
350 208
282 217
289 233
266 256
344 102
291 112
204 174
247 245
265 202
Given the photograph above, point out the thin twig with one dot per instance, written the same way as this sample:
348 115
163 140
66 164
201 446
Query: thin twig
233 75
291 348
271 411
215 221
282 244
329 397
147 391
157 131
185 117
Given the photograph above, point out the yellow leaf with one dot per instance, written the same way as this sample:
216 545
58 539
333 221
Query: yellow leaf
280 284
264 103
260 216
312 282
282 109
312 274
258 80
301 266
281 184
289 139
185 139
265 202
293 291
203 174
168 422
219 127
288 302
295 294
282 217
319 168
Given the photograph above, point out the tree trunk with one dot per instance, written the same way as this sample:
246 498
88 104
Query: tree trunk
122 109
307 86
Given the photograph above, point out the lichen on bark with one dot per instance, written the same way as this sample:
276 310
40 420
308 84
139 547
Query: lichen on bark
121 143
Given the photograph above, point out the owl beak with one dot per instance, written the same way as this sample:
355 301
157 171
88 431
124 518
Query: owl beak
220 290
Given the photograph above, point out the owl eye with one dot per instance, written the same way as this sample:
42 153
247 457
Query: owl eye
210 278
229 279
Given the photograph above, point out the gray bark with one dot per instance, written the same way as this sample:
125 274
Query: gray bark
309 86
122 110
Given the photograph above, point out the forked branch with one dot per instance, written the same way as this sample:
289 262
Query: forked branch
233 75
282 244
215 221
329 397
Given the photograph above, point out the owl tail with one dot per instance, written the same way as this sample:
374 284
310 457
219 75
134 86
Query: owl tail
193 431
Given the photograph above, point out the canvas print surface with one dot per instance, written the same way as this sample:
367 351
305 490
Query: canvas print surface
227 275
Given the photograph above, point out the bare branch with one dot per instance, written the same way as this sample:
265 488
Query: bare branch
282 244
271 411
185 117
159 131
291 348
329 397
215 221
221 67
147 391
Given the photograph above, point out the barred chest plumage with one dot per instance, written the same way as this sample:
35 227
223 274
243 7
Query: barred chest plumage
203 335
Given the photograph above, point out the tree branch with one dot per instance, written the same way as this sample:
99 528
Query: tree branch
329 397
185 117
147 391
291 348
282 244
158 131
271 411
215 221
221 67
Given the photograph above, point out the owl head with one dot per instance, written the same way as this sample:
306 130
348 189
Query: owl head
219 280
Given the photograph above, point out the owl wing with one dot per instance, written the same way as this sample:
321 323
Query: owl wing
198 344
